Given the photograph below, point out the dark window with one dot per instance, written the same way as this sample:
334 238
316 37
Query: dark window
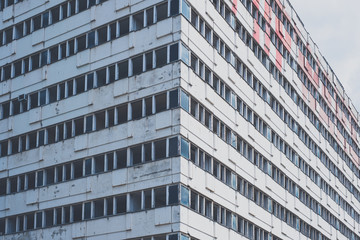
91 39
4 148
55 14
122 113
82 5
110 161
160 149
89 123
174 7
102 35
45 19
63 50
19 29
71 47
121 204
87 210
61 91
173 194
99 208
49 218
29 221
160 102
39 220
14 146
36 22
161 56
160 197
41 138
64 10
54 54
40 179
13 184
81 43
124 26
67 214
147 152
58 215
147 199
79 126
112 31
42 97
77 212
135 201
72 5
6 109
123 70
149 16
68 128
109 206
112 74
135 155
101 77
174 96
110 117
70 88
148 106
78 169
35 61
99 163
80 84
51 134
174 52
138 21
32 140
92 3
121 158
161 11
137 63
52 94
173 146
7 72
31 180
149 61
136 110
90 81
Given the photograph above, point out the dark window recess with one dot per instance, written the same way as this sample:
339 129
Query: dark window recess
58 215
112 74
173 147
102 35
121 204
99 163
50 175
79 126
19 29
124 26
59 170
16 106
30 221
14 147
60 132
31 180
109 206
13 184
32 140
49 218
27 27
4 148
101 77
111 117
35 61
87 210
148 61
80 84
121 158
88 166
160 149
51 134
112 31
68 129
161 11
37 23
8 35
55 15
90 81
174 96
70 88
71 47
174 7
78 169
2 226
21 182
137 65
72 4
40 179
173 194
135 201
147 199
149 16
89 124
38 220
136 110
148 106
122 113
61 91
62 50
160 197
160 102
110 161
91 39
7 72
6 109
82 4
135 155
100 120
161 56
77 212
26 65
147 152
92 3
81 43
64 10
52 94
41 138
99 208
123 69
174 52
138 21
45 19
42 97
67 214
54 54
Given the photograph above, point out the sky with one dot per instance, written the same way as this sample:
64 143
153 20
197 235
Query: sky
334 27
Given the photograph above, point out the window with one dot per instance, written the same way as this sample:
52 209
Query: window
149 16
184 148
124 26
121 204
161 12
174 102
161 56
91 39
122 113
137 65
160 149
147 152
160 102
99 208
80 84
184 101
100 120
174 7
77 212
101 77
135 155
54 54
123 70
173 146
136 110
138 21
81 43
79 126
160 197
121 157
185 9
87 210
135 201
36 22
99 162
174 52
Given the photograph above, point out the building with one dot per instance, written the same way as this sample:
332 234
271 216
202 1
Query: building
171 119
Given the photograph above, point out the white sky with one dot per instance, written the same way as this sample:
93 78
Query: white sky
334 27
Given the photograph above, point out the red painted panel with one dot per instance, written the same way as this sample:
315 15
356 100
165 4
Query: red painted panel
288 40
268 12
305 92
279 60
256 31
256 3
234 6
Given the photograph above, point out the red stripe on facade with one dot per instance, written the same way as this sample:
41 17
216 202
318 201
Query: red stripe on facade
234 6
279 60
256 31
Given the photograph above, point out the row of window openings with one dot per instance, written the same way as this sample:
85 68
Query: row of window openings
224 174
244 73
97 121
131 202
172 236
228 57
147 61
119 159
73 46
211 122
7 3
58 13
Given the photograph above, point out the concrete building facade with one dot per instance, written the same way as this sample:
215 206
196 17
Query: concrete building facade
172 119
